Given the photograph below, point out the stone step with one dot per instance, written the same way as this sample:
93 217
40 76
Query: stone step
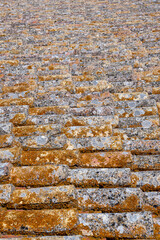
94 143
117 225
5 169
133 96
5 128
51 129
11 155
67 157
87 131
6 140
146 162
38 221
105 159
135 103
138 133
6 191
110 200
151 202
108 177
134 122
38 175
44 197
17 101
146 180
142 146
44 141
136 112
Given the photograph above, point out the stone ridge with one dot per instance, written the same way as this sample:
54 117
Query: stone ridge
79 120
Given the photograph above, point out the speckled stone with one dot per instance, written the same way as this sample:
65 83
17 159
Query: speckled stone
6 140
5 128
142 146
5 193
5 169
147 180
38 221
11 155
122 225
110 200
44 197
151 202
38 175
146 162
99 177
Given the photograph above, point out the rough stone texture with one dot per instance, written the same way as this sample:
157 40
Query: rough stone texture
147 180
45 197
5 193
79 119
99 177
110 200
38 175
38 221
5 169
128 225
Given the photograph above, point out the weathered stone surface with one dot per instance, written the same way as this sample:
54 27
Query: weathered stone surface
38 175
38 221
142 146
156 224
99 177
135 104
76 237
92 111
143 122
68 157
44 197
5 169
89 131
5 193
146 162
123 225
49 110
130 96
6 140
110 200
36 130
151 202
5 128
95 143
43 142
136 112
11 155
105 159
147 180
18 101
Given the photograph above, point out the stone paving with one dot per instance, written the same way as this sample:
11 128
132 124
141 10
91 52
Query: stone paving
79 119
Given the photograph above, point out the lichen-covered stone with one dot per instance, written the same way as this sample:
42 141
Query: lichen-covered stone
136 112
99 177
110 200
76 237
38 175
95 143
92 111
142 146
38 221
68 157
147 180
18 101
6 140
5 193
44 197
49 110
122 225
146 162
130 96
135 104
5 169
5 128
11 155
106 159
143 122
151 202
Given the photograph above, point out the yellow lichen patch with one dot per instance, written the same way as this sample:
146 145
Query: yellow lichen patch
31 85
156 224
130 96
134 180
105 159
156 90
43 157
53 77
37 175
48 110
38 221
17 101
18 119
42 197
10 62
99 87
155 134
80 132
158 106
